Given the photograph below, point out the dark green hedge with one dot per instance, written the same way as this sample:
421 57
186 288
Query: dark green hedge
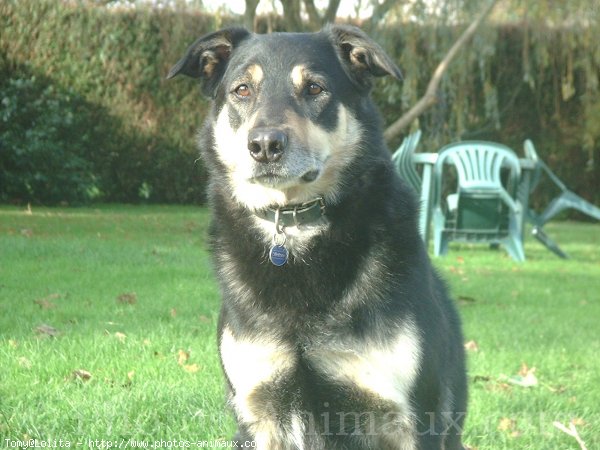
86 114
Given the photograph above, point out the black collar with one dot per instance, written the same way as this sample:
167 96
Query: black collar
294 215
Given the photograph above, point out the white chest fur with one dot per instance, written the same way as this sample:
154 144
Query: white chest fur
385 372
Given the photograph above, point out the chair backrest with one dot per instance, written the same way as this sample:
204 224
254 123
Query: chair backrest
403 160
480 166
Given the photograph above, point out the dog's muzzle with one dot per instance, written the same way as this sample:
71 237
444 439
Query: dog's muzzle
267 147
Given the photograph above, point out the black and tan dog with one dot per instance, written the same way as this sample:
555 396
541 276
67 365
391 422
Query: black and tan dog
335 332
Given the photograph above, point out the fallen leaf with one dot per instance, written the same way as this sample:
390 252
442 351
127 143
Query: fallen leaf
525 370
27 232
578 421
130 375
502 387
507 424
191 368
81 374
471 346
173 313
127 298
120 336
46 302
182 357
456 270
12 343
46 330
556 389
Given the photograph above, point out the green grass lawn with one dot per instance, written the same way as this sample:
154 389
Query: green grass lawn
108 317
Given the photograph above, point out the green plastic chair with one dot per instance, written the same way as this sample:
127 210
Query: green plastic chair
567 199
483 208
403 161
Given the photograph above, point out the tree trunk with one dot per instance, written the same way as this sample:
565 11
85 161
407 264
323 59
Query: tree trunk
250 14
430 97
291 15
331 12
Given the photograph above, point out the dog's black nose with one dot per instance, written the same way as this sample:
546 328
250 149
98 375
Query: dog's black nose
266 144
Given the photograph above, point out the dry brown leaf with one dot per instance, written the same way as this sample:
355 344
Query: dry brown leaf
560 389
46 330
507 424
12 343
127 298
578 422
526 370
471 346
44 304
81 374
504 387
191 368
182 357
173 313
120 336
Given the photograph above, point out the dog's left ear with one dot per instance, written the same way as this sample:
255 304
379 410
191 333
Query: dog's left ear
362 56
207 58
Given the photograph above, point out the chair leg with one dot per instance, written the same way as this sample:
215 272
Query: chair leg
542 237
439 245
514 247
568 200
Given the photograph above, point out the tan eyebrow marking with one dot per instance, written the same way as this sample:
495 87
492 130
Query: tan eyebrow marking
256 73
298 76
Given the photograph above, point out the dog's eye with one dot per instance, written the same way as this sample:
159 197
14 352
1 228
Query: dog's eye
242 90
313 89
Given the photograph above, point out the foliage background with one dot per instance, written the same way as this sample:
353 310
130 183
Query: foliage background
86 114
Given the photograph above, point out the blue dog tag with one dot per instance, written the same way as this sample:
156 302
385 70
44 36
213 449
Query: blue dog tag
278 255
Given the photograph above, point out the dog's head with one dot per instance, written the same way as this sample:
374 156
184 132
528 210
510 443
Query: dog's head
285 107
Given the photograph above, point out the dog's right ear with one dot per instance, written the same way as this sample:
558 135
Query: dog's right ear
207 58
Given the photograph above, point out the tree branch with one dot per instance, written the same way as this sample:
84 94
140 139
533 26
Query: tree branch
430 96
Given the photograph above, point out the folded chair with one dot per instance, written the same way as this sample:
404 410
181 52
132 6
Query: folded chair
403 160
567 199
483 208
